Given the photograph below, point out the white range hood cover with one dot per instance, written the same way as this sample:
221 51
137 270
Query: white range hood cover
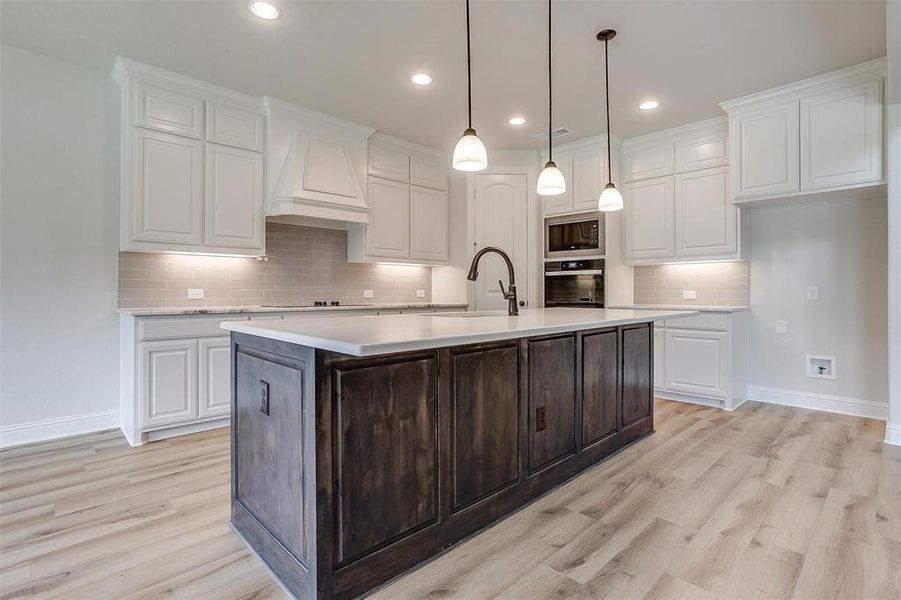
319 181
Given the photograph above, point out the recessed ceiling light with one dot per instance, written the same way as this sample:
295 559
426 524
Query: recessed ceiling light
649 105
421 79
263 10
516 120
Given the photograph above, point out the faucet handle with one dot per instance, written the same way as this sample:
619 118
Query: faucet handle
507 295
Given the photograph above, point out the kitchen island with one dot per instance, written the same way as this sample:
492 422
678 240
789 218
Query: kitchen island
363 445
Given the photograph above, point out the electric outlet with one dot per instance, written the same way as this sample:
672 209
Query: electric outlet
813 292
782 327
368 293
689 295
420 293
195 293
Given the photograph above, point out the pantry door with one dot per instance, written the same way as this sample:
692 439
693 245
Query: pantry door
500 215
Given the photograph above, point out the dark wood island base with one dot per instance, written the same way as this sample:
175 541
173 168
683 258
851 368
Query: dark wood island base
348 471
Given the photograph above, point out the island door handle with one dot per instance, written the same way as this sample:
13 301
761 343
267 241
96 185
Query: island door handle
264 397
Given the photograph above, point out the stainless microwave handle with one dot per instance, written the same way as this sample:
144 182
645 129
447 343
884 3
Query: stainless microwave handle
583 272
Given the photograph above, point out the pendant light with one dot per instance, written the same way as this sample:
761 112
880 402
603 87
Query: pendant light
469 153
550 181
610 198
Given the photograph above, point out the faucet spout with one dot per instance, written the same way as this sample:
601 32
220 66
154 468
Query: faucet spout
510 293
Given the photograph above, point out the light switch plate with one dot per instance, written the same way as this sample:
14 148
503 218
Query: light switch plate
689 295
420 293
195 293
813 292
782 327
367 294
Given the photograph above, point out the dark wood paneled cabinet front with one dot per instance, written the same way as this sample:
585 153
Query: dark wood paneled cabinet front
600 385
638 397
386 462
552 400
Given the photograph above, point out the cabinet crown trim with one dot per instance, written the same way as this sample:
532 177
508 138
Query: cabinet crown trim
852 74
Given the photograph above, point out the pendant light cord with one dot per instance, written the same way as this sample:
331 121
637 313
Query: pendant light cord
607 95
550 94
468 68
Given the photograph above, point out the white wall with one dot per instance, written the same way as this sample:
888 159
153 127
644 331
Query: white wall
893 123
58 264
841 248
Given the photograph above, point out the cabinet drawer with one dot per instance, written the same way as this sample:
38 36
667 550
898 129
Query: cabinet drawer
712 321
183 327
234 126
167 110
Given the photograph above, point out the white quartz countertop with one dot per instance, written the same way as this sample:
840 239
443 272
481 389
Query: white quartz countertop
698 307
238 310
367 335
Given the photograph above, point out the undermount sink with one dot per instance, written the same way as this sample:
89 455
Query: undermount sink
468 314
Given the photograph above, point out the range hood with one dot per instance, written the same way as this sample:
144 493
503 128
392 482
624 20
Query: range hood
318 185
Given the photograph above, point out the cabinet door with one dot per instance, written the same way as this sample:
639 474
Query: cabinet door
552 402
648 219
388 234
215 377
428 223
647 162
168 188
234 197
389 164
706 221
600 388
659 358
765 145
702 152
169 382
168 110
638 395
428 172
234 126
841 136
562 203
589 178
696 362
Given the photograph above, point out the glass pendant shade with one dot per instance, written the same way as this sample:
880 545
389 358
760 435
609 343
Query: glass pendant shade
470 153
610 199
550 181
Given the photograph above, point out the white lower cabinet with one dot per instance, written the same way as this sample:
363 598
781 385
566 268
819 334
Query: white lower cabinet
702 359
215 377
169 381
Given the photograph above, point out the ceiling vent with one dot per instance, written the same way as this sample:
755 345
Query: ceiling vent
558 133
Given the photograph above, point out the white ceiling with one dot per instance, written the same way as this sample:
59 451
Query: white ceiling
354 59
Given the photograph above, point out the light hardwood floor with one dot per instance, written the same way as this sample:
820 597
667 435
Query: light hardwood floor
766 502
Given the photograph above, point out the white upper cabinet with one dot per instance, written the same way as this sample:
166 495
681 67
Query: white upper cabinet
841 135
192 164
706 220
428 224
702 151
815 138
168 110
428 172
648 217
647 161
765 150
167 200
388 233
389 164
589 178
234 196
561 203
236 127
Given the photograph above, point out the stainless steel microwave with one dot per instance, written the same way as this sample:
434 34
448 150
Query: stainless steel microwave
574 235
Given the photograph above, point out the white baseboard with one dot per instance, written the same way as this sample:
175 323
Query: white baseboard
893 434
169 432
51 429
835 404
687 398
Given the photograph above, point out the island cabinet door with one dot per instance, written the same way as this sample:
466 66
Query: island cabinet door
483 420
386 453
600 357
638 397
552 400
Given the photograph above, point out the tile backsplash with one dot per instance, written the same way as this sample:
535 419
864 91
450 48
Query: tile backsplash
303 264
715 284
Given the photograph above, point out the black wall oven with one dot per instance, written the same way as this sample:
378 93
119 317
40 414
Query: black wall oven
572 236
574 283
